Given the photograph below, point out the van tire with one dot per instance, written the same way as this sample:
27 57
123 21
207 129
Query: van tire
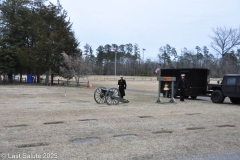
217 97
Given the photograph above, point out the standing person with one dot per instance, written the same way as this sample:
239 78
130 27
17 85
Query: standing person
122 86
182 85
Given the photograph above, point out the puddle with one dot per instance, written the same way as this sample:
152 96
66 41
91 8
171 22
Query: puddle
144 116
19 125
190 114
57 122
195 128
163 131
88 120
226 125
85 140
125 136
32 145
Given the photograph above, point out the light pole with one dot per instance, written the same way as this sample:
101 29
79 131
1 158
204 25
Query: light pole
115 63
143 53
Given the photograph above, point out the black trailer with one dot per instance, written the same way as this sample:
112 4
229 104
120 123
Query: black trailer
197 81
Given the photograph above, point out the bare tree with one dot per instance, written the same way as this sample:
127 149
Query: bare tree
225 39
76 67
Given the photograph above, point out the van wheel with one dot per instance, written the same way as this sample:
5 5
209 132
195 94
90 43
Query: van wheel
193 97
217 97
235 100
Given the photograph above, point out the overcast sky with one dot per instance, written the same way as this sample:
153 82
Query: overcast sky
150 23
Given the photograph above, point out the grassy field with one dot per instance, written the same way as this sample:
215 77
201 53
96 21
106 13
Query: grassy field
66 123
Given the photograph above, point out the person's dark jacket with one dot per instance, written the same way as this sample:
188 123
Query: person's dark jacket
182 85
122 86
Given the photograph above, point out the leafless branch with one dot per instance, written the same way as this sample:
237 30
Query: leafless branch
225 39
76 67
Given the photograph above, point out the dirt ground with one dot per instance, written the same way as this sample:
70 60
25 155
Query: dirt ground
58 122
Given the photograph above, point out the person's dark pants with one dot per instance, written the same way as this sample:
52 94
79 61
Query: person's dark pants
122 92
182 94
181 98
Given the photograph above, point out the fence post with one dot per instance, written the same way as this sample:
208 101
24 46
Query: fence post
58 82
88 84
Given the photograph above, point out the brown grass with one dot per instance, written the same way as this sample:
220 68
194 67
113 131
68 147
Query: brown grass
30 119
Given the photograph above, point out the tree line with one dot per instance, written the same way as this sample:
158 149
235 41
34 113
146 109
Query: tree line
34 33
36 38
129 61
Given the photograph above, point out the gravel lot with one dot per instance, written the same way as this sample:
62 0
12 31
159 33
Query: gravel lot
39 122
